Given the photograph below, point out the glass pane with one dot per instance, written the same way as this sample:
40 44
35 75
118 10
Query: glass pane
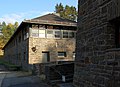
35 32
61 54
71 34
42 33
57 34
34 35
65 34
49 31
50 34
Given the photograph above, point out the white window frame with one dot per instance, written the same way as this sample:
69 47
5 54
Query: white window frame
57 34
33 32
50 35
42 33
64 34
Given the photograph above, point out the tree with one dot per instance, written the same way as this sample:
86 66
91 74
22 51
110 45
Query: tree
16 25
7 31
59 8
68 12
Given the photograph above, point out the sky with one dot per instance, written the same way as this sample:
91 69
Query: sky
18 10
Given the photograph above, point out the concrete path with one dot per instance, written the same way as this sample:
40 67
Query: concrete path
29 81
2 73
19 79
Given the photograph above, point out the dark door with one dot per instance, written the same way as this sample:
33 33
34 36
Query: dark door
45 57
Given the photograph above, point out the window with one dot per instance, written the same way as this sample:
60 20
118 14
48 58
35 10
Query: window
45 56
35 32
16 41
104 10
24 56
19 39
50 34
26 33
71 34
117 38
116 23
65 34
57 34
42 33
61 54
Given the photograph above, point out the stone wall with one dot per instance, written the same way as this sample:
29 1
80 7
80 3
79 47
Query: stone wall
17 53
55 72
20 50
53 46
94 66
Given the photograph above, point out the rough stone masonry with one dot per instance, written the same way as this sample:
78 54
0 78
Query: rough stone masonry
97 62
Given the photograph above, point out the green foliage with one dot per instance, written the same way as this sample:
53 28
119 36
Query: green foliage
68 12
9 66
7 31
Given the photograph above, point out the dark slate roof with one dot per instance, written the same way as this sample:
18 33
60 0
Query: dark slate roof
52 19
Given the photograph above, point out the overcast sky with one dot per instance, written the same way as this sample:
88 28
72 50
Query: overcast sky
18 10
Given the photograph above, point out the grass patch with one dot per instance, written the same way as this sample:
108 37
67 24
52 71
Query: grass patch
9 66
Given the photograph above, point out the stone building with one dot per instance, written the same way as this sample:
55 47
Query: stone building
44 39
97 62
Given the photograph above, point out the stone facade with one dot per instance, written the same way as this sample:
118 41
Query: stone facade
97 54
53 46
16 51
42 40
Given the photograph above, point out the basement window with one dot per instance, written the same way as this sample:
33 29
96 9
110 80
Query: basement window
61 54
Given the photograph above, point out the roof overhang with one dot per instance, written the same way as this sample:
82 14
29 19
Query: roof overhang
51 22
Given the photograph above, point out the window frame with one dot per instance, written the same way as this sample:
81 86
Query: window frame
64 35
34 34
64 54
57 34
50 35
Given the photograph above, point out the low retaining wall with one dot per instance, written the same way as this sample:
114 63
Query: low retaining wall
60 71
